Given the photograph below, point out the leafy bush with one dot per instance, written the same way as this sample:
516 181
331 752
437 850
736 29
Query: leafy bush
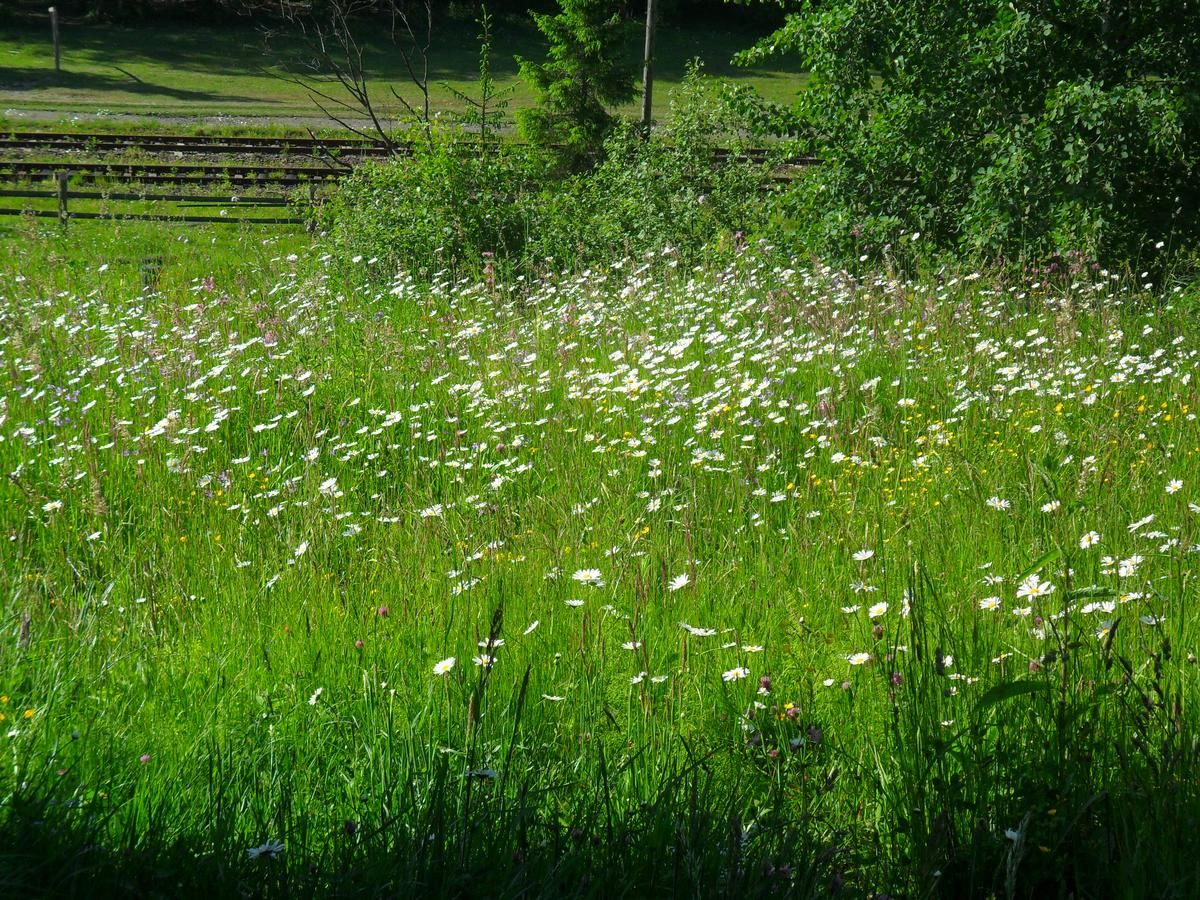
667 191
1005 129
440 209
449 204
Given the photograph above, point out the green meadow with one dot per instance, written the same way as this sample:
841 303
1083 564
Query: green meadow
756 578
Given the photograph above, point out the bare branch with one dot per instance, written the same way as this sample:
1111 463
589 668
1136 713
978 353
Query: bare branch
339 53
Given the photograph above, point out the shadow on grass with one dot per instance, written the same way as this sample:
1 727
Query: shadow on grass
690 844
695 840
29 79
240 50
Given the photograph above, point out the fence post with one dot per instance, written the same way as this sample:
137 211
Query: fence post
54 32
62 197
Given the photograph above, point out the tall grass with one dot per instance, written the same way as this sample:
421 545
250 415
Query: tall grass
784 577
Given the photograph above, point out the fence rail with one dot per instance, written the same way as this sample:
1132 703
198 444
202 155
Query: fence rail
63 196
13 170
169 198
128 217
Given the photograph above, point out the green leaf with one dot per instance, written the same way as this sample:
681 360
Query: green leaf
1008 690
1092 591
1044 560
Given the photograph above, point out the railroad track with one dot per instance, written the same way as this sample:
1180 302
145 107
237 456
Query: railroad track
251 187
170 173
230 169
192 144
349 148
189 173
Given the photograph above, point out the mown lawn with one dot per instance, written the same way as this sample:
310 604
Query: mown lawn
174 71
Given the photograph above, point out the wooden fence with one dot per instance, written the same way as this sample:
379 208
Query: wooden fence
63 195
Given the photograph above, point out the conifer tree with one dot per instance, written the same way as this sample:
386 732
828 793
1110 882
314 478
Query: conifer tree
589 68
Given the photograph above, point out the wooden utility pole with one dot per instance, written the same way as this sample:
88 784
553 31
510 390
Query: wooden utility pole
54 33
648 67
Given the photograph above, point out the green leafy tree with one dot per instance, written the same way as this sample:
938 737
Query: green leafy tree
1008 128
588 70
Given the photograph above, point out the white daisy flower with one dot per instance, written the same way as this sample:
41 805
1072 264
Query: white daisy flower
679 582
589 576
1034 587
270 850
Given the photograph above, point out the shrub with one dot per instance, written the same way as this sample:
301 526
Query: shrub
439 210
668 191
1005 129
450 203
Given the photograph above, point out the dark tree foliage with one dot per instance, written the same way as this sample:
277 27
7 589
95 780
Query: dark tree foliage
588 69
218 11
1007 128
669 11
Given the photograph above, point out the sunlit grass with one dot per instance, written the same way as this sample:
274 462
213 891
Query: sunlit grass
179 71
748 581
